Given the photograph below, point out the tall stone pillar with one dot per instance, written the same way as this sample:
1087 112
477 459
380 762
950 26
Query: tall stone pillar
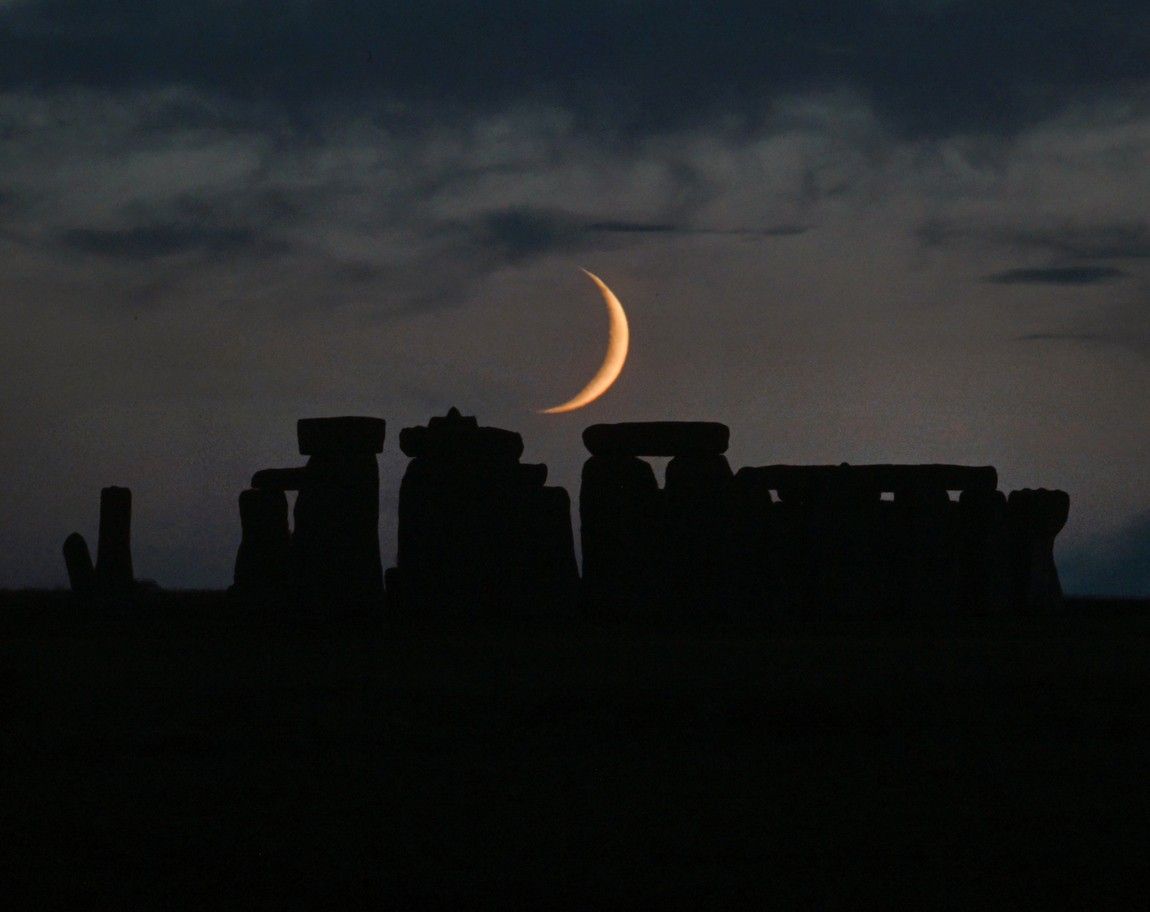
335 540
114 575
984 553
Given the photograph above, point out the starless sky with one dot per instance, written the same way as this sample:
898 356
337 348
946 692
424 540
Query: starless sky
863 231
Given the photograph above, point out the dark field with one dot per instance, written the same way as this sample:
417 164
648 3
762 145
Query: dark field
180 755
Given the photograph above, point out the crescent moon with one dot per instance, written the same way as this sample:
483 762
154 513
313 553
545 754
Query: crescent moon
618 340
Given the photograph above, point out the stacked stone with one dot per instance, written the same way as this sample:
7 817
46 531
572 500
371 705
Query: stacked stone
112 577
648 551
332 562
481 535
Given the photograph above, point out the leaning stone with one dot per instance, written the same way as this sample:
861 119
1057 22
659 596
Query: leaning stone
657 438
114 574
348 434
78 560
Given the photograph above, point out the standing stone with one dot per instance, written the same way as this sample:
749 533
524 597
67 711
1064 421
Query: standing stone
333 562
263 562
78 560
623 525
335 542
984 553
480 535
1036 517
114 576
752 584
927 562
699 533
849 567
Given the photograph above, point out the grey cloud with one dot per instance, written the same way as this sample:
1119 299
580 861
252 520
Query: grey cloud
624 69
663 228
1057 275
1110 242
519 234
152 241
1061 337
1119 241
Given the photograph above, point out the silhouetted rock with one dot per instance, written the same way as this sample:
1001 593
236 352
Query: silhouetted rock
699 515
340 436
1036 517
263 563
78 560
335 539
832 543
984 552
479 534
280 479
796 483
928 542
334 564
458 436
623 532
114 575
657 438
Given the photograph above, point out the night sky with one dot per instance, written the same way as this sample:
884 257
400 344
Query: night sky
866 232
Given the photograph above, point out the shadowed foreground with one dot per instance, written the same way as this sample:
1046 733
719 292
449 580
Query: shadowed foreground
184 755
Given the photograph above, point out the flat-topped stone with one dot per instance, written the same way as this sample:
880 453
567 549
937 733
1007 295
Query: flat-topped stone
456 436
657 438
342 435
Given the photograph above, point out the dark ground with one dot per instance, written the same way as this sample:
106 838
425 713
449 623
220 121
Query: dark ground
182 755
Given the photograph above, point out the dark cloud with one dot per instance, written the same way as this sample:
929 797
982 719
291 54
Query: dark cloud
1123 241
624 68
1109 242
152 241
662 228
1057 275
520 234
523 234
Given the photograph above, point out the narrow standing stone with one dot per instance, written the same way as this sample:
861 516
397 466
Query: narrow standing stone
263 563
114 576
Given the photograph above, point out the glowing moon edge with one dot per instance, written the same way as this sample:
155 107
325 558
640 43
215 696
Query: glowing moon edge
618 341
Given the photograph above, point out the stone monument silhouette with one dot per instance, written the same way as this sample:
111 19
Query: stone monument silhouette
480 534
330 560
